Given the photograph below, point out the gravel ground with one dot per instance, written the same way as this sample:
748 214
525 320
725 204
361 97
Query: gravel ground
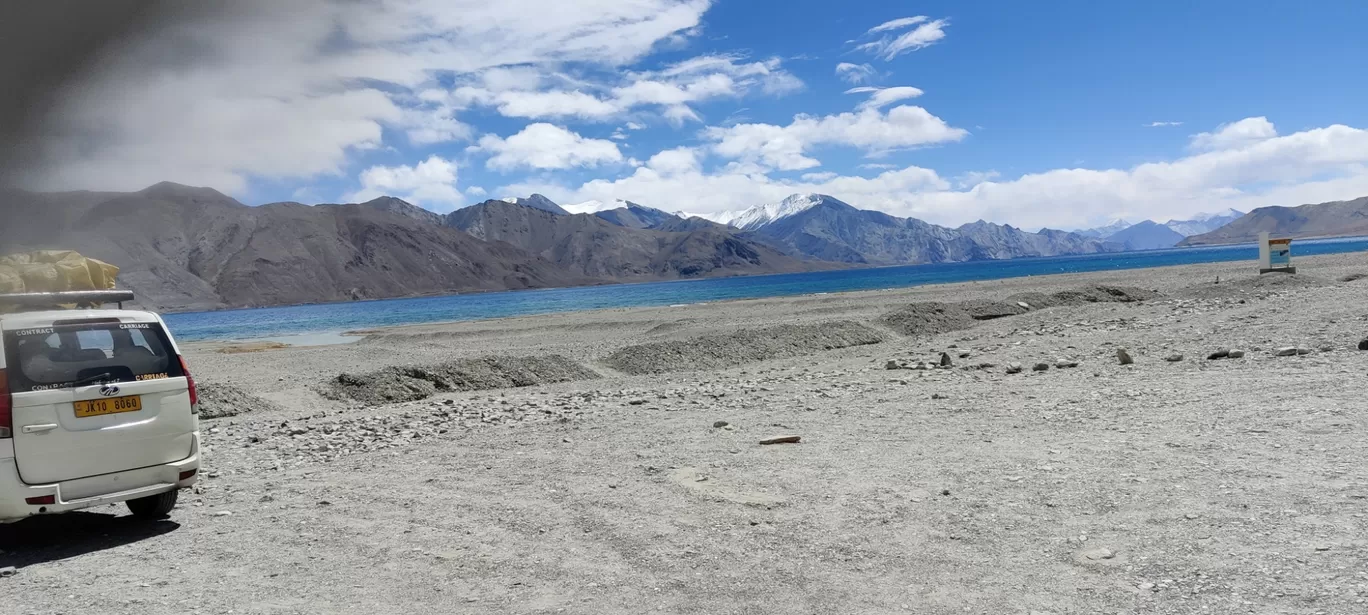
1232 485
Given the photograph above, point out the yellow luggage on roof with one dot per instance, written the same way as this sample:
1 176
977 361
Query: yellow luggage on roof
53 271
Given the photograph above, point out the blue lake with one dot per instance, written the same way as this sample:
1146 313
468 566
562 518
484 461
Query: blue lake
300 320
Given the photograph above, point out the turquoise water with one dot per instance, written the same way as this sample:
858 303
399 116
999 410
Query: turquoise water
337 317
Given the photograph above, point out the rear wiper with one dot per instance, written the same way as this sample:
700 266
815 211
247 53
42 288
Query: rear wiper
93 379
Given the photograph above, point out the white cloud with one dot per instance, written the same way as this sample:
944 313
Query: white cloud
633 126
889 47
262 88
819 177
1235 134
545 146
675 161
854 73
898 24
785 147
672 91
1311 166
476 191
431 183
882 97
974 178
1162 124
554 104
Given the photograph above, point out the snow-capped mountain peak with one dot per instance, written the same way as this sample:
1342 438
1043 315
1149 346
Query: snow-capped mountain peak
1204 222
760 215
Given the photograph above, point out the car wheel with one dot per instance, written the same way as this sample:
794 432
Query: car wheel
153 506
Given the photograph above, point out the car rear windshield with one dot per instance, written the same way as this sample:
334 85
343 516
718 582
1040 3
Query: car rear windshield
87 352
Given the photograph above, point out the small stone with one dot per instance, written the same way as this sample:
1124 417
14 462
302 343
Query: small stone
1327 348
1174 358
221 513
1363 345
1040 367
1145 586
1098 555
939 396
1124 357
1190 516
1303 351
945 360
1062 364
945 492
1023 305
1236 354
636 402
1286 351
1014 368
782 440
891 364
1219 354
720 424
1323 547
965 354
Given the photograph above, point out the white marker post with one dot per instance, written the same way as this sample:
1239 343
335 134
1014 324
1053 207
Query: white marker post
1275 255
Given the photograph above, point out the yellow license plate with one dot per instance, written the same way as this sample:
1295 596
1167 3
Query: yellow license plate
113 405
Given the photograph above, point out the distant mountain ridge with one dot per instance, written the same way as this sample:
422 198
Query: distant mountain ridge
1331 219
827 228
1147 235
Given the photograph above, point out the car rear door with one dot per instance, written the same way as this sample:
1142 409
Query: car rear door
96 396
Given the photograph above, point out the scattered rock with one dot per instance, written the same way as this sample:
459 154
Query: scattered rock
1219 354
1287 351
1062 364
1174 358
945 360
1097 556
1040 367
1124 357
720 424
1236 354
1014 368
782 440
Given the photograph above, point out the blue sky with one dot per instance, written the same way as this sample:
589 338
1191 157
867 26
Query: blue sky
1035 114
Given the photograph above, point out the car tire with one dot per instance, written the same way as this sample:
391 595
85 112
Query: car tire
153 506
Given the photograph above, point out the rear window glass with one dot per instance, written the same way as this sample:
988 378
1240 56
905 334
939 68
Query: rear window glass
81 354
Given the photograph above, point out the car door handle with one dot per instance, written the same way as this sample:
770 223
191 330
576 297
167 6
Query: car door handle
39 428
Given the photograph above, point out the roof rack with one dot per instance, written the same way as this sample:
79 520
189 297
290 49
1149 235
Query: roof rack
79 298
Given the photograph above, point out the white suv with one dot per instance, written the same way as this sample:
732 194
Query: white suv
96 407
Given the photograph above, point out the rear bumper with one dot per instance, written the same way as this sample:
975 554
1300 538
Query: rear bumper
92 491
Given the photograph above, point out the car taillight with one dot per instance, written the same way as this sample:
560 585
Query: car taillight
190 380
6 407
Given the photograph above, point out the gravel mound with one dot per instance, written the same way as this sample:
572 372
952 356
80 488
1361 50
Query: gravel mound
1354 277
934 318
414 382
1084 295
221 400
931 318
1256 286
744 346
